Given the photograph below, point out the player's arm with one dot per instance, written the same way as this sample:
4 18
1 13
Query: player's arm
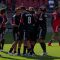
13 21
6 20
1 21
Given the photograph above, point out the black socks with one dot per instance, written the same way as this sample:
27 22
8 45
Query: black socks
43 45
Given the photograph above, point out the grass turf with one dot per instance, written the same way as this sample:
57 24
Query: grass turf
53 53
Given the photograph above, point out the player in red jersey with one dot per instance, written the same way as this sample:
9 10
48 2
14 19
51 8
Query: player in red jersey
3 27
1 20
55 26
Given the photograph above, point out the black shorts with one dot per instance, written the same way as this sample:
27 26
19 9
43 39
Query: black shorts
36 32
15 29
35 35
28 35
1 30
21 34
15 33
43 31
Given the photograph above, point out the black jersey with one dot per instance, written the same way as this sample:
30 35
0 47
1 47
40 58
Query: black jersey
41 19
16 19
28 20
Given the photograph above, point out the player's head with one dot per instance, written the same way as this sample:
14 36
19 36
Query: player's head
23 9
39 10
18 10
57 9
43 8
31 9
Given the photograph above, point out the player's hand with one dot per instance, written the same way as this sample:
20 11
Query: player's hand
14 25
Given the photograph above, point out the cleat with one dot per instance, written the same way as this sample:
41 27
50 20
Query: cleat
49 44
1 50
10 53
25 54
30 54
44 54
18 54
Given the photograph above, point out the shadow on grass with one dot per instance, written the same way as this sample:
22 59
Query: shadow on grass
10 58
5 52
36 57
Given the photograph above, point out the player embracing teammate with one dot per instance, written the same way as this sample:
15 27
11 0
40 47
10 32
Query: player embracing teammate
32 26
27 26
42 27
17 25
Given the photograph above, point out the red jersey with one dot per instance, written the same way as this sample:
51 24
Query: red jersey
4 21
56 21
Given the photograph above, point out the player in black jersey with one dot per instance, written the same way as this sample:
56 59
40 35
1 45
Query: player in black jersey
34 39
42 27
15 26
28 20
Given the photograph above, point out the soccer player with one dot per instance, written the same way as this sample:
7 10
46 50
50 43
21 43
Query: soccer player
1 21
3 13
28 20
15 25
55 26
34 38
42 27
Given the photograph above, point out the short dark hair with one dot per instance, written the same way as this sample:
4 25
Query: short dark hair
23 8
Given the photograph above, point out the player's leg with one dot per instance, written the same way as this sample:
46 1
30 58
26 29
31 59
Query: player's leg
25 42
3 39
50 42
33 41
59 35
55 34
0 44
20 38
0 39
42 39
29 43
14 45
15 36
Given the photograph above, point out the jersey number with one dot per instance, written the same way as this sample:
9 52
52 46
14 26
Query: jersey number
29 20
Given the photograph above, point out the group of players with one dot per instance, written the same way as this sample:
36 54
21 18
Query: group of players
28 26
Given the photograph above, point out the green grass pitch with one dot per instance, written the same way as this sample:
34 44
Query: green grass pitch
53 51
